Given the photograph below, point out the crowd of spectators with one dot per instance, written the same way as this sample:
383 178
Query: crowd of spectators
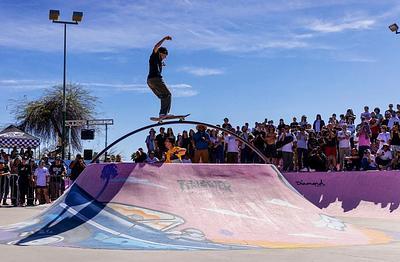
338 144
28 182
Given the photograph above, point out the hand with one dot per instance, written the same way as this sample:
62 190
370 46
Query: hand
168 37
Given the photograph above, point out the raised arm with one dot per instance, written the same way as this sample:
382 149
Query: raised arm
155 49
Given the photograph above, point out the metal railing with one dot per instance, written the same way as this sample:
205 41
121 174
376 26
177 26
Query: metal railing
18 191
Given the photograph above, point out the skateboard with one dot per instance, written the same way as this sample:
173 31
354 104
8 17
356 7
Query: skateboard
161 119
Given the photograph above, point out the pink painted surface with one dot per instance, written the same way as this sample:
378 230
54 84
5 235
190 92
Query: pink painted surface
235 204
374 194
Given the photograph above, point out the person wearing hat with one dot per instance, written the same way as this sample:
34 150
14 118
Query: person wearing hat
4 181
151 141
201 143
154 78
174 153
384 157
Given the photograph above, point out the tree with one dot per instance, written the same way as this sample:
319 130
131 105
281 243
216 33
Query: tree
43 117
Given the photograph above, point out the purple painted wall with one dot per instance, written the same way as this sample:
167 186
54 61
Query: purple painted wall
366 194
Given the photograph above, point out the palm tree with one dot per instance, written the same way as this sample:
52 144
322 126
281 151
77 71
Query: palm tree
43 117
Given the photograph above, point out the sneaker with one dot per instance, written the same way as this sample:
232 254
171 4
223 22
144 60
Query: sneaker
5 203
305 169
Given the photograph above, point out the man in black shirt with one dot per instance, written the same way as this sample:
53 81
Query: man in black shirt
56 184
4 181
77 166
155 80
160 143
24 175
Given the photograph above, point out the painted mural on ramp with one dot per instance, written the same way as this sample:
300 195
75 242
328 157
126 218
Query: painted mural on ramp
185 207
371 194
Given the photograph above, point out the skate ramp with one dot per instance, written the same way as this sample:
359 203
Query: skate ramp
372 194
185 207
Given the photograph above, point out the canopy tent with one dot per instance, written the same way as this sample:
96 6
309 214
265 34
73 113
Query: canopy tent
12 136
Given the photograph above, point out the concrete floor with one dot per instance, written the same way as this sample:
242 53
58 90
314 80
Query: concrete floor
388 252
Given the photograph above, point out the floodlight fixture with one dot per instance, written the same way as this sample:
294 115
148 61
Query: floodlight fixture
394 28
77 16
54 15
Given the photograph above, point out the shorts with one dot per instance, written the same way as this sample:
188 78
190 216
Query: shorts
270 151
330 151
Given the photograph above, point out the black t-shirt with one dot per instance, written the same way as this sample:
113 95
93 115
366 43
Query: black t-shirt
140 157
226 126
294 124
155 66
259 141
4 170
24 171
187 143
396 139
76 170
56 170
160 138
330 141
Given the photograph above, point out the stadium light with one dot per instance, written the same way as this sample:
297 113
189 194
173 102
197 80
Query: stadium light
394 28
54 15
76 18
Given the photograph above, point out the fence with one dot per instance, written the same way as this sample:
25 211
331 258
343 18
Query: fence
21 191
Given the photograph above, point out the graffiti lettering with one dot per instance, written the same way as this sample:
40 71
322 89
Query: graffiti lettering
316 184
210 184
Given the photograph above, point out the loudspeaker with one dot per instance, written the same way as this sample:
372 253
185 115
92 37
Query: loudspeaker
87 134
87 154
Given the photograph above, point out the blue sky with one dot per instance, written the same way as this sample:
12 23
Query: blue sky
247 60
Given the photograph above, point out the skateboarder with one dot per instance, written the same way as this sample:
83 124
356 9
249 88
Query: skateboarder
155 80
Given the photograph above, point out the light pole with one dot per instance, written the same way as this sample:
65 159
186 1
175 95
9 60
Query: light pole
394 28
76 18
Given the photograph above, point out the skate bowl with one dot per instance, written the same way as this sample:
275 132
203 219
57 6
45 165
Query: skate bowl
372 194
186 207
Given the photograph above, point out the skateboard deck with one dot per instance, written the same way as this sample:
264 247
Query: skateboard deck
161 119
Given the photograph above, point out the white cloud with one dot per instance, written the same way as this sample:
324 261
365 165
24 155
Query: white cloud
248 27
113 26
177 90
331 27
201 71
25 84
